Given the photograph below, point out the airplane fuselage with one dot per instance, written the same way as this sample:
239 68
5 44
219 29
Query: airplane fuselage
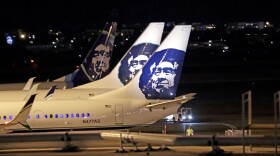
85 114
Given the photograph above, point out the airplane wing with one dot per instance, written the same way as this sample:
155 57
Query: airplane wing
183 140
170 103
262 126
28 84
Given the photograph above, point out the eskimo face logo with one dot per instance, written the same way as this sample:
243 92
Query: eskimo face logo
96 64
164 74
160 75
134 60
100 61
135 64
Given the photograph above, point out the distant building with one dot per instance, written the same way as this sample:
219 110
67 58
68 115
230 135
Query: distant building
252 25
203 27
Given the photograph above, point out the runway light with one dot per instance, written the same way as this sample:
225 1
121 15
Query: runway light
22 36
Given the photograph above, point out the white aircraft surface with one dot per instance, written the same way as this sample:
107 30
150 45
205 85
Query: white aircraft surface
22 115
95 65
148 97
134 59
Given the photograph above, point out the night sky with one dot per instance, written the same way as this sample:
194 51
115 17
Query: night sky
14 13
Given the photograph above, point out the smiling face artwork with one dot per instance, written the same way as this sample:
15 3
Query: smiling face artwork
134 61
101 60
159 78
135 64
163 77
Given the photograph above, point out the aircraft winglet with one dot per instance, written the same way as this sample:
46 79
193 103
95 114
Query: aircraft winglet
29 83
24 112
50 93
22 116
32 91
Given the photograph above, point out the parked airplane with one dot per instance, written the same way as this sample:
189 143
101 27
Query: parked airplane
148 97
133 60
95 65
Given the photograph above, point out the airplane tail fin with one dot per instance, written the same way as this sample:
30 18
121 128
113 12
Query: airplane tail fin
134 59
96 64
159 78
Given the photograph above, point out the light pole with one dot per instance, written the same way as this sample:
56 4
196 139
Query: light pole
276 103
246 99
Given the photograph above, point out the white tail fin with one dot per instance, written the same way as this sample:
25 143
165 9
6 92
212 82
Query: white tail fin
132 61
159 78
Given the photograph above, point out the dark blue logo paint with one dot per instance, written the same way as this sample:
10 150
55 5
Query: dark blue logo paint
135 59
161 74
97 62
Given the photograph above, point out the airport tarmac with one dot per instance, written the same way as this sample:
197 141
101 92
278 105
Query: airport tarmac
173 150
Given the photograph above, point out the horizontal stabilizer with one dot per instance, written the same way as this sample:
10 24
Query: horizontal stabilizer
187 95
171 103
